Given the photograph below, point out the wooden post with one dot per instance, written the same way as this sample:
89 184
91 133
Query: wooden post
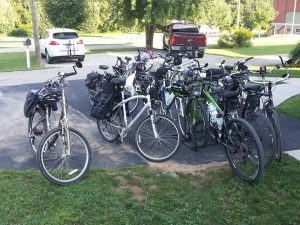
36 33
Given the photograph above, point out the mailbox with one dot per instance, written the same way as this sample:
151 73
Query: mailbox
27 42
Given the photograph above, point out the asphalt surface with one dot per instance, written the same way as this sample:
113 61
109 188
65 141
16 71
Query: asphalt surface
16 153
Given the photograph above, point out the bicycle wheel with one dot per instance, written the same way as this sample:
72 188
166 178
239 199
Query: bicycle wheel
55 164
272 115
244 150
161 147
181 110
198 124
109 128
266 134
132 104
37 127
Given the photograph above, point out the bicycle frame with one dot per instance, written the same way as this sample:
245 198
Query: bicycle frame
145 107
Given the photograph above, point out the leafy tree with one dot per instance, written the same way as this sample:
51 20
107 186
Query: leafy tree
95 12
6 17
254 13
67 13
213 12
22 13
148 14
258 13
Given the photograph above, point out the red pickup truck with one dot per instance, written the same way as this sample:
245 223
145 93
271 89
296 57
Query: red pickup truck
184 37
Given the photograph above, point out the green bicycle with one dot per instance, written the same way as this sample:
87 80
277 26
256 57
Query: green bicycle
243 148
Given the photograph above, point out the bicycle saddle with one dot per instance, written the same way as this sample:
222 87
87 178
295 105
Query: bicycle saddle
253 87
103 67
118 81
229 94
128 58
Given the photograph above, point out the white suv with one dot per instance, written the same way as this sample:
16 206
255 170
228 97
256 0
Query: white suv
61 43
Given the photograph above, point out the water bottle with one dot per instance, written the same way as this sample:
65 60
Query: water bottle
212 112
220 122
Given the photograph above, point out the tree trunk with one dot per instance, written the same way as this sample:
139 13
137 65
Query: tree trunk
36 33
149 36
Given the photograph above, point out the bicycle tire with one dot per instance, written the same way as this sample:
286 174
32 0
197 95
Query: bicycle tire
35 134
61 176
167 131
108 128
199 127
265 132
181 118
242 152
272 115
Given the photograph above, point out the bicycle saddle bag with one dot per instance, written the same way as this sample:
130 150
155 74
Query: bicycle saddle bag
103 107
90 79
32 99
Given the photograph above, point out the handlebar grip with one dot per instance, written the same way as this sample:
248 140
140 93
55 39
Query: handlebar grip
281 60
249 59
68 74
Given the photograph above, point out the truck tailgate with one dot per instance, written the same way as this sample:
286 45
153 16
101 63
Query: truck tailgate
185 38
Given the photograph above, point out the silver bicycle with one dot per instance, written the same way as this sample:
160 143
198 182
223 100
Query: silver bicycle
63 155
157 137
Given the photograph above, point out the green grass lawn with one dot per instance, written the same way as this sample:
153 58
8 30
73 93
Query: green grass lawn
14 61
140 195
290 107
267 46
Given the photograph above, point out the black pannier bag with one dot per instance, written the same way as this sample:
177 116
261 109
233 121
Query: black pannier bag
104 103
32 99
90 80
214 72
103 108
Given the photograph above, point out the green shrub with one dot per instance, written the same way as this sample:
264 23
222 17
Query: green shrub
225 41
22 31
295 55
239 38
242 38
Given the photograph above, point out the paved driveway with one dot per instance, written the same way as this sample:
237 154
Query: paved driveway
14 147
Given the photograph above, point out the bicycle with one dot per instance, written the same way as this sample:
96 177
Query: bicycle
268 107
63 155
243 148
157 137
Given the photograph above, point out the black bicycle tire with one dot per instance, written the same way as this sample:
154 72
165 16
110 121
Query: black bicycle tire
276 126
157 159
201 110
268 160
30 120
120 115
40 164
260 171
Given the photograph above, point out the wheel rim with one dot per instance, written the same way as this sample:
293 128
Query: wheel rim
110 127
242 151
57 165
36 130
158 148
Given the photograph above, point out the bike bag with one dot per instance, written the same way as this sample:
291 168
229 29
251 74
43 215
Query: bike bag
103 107
32 99
90 80
214 72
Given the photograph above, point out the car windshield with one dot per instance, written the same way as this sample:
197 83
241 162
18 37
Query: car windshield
65 35
188 28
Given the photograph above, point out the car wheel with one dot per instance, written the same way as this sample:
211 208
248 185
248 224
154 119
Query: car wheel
43 56
81 59
48 58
